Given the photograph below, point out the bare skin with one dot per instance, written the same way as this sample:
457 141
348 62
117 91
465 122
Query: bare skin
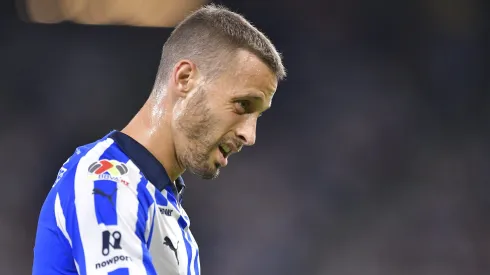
195 124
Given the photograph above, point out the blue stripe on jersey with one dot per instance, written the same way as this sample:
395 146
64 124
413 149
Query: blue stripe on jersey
188 247
105 191
182 222
120 271
145 200
196 257
196 263
66 193
160 199
189 239
72 228
105 198
150 236
170 196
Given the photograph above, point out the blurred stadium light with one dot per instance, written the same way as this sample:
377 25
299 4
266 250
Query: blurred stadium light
148 13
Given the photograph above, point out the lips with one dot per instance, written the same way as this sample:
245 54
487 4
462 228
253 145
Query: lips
222 157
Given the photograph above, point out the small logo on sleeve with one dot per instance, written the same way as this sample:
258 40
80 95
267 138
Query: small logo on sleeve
111 167
112 170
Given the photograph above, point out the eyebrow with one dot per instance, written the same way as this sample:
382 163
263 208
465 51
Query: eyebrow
254 95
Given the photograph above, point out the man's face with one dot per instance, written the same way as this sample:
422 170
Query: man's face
219 117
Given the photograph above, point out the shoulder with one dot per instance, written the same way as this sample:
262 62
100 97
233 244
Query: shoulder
98 161
79 162
99 165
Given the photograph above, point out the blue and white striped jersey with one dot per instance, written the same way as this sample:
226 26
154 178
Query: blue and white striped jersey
113 210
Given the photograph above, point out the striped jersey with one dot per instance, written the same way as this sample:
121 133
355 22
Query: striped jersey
113 210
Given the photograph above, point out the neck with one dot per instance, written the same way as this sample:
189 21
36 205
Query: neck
151 128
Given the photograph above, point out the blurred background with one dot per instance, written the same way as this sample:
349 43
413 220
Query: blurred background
375 158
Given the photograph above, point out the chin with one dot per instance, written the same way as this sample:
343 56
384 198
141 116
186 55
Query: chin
205 173
210 176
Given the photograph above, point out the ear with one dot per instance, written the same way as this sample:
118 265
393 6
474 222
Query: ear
184 77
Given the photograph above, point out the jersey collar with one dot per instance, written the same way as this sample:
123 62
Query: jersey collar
151 168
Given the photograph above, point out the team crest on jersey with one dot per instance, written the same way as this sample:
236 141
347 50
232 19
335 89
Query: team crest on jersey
112 170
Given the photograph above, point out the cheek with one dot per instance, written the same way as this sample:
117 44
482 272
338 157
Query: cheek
225 123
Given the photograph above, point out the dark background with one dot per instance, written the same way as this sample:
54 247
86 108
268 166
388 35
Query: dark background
373 160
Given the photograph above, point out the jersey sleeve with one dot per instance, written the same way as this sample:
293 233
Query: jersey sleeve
107 222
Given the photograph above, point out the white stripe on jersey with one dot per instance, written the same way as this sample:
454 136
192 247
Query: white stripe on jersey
61 223
76 265
127 204
60 218
85 206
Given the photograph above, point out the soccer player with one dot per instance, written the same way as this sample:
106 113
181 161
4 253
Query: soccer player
116 204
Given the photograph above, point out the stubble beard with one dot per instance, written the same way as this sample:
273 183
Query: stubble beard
196 126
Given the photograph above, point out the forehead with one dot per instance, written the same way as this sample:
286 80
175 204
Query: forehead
247 74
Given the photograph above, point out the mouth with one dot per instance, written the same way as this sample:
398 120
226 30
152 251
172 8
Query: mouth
225 150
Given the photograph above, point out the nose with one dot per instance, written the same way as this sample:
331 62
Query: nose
247 131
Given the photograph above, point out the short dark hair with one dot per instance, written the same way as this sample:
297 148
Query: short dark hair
210 36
